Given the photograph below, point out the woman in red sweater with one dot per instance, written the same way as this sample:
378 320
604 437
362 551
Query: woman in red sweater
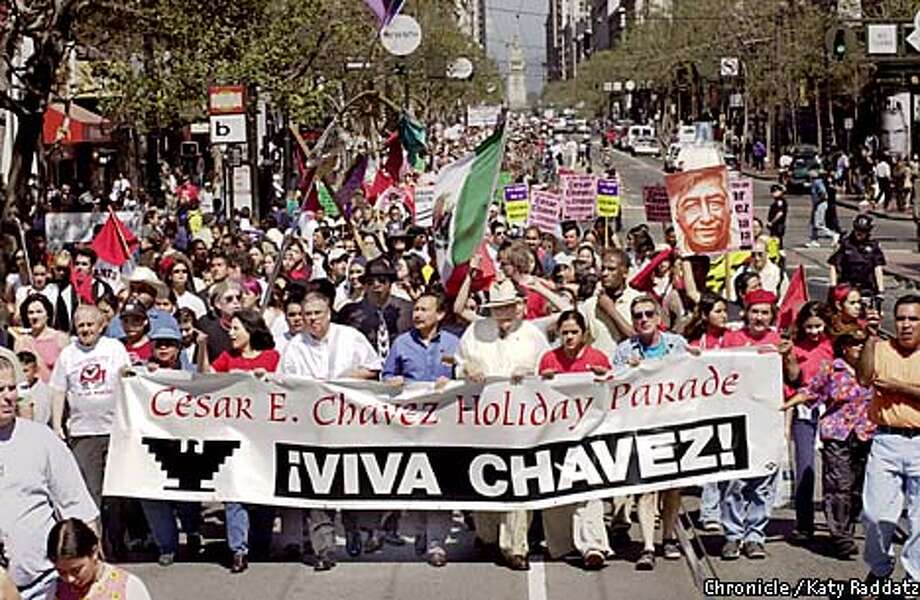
578 526
252 351
253 348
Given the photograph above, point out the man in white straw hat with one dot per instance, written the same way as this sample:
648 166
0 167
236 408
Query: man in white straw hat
502 345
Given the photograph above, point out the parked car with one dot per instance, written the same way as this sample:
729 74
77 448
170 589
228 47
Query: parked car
670 158
805 158
647 146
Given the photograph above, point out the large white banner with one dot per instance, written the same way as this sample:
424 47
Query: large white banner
66 227
294 442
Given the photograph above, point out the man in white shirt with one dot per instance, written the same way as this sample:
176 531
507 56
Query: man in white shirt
87 376
39 483
772 278
327 350
503 345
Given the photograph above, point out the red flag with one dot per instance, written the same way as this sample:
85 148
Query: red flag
796 296
115 242
482 279
644 280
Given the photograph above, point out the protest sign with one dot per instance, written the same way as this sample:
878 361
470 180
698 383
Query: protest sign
704 222
742 191
608 197
517 203
65 227
288 441
544 212
579 193
657 208
424 205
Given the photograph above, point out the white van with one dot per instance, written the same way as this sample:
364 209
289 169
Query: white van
638 131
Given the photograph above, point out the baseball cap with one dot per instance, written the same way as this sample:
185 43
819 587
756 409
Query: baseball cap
337 254
163 326
863 223
133 308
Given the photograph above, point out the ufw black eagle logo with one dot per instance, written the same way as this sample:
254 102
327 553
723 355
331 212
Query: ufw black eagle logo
190 467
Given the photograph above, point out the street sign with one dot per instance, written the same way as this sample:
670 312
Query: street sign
729 66
608 86
402 36
462 68
914 38
228 129
226 100
736 100
882 39
630 85
617 86
848 123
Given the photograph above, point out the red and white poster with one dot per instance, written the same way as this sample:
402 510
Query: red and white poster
544 211
704 217
579 193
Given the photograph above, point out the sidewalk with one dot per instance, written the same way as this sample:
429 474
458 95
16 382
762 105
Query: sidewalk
846 200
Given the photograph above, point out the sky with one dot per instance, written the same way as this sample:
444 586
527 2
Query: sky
527 18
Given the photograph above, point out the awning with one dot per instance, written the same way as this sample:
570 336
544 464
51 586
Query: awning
73 125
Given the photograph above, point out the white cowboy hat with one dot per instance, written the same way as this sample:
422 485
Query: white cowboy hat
502 293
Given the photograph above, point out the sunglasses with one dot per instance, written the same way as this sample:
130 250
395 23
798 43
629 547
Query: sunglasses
644 314
180 271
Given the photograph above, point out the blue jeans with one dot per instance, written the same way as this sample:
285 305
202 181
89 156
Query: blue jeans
238 526
803 435
892 475
161 516
710 503
819 226
746 507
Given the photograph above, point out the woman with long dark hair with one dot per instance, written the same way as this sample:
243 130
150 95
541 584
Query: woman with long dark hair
74 549
812 348
252 349
578 526
706 331
41 339
846 436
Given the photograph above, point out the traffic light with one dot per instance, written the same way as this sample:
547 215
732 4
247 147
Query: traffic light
839 48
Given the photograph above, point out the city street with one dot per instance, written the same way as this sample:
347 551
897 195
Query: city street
897 236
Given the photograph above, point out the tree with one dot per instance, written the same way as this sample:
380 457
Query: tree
35 37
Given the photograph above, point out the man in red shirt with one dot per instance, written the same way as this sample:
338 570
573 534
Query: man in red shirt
746 503
135 324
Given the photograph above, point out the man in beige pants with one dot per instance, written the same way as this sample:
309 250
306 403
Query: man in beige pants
503 345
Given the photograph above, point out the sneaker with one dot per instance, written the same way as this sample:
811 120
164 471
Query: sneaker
166 559
799 537
731 550
670 549
713 526
812 244
835 240
437 557
754 550
646 561
373 543
594 560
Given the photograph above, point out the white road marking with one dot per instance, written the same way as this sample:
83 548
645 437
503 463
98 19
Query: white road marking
536 580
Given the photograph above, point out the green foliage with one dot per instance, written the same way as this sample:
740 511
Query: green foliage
156 58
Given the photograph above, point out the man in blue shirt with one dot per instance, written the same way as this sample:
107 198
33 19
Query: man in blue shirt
651 343
418 355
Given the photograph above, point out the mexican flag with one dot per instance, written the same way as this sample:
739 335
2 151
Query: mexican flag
463 193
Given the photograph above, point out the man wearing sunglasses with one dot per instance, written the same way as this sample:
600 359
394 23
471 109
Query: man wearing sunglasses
651 343
772 278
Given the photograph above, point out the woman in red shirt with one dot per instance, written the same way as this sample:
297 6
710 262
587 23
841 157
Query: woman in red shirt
709 322
252 346
252 350
587 518
573 355
812 349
